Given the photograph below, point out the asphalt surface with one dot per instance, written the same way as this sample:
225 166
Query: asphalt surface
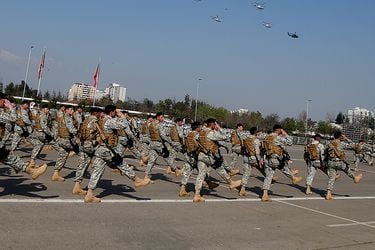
43 214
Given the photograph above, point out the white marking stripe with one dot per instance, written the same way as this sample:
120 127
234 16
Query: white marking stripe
283 200
350 224
327 214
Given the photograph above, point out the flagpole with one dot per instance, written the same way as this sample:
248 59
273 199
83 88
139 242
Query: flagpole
27 71
40 78
97 81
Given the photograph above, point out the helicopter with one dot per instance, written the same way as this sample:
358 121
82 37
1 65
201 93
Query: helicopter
293 35
216 18
267 24
259 6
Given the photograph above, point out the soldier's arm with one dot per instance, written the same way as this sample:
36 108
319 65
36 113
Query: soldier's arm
70 126
163 133
284 140
217 135
321 150
43 124
8 117
126 126
25 117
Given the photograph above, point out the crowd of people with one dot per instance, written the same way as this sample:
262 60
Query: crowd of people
103 138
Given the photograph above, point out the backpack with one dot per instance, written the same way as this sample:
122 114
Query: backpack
312 149
270 145
249 145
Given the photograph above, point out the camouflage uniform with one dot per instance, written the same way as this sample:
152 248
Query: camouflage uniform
336 162
314 164
176 145
87 148
236 140
145 137
125 137
40 133
8 128
207 159
251 161
104 155
275 161
191 161
12 160
156 145
22 128
63 145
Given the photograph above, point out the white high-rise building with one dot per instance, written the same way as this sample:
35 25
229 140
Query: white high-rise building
358 114
116 92
80 91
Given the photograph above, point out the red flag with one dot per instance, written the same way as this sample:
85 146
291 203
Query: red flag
41 65
96 76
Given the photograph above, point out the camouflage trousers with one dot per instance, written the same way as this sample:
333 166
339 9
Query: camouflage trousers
102 159
205 162
37 139
16 140
173 152
236 154
15 162
156 149
312 167
7 135
333 167
86 153
273 163
250 162
361 158
189 165
63 148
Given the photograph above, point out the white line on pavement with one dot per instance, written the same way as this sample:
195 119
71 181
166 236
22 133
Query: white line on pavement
349 224
282 200
327 214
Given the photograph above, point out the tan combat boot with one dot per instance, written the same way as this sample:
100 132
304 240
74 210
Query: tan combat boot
308 190
234 184
147 179
138 182
275 179
183 192
56 176
145 159
31 164
78 190
36 172
71 153
265 196
329 195
233 172
168 170
90 198
295 172
142 163
178 172
243 191
296 179
198 198
358 178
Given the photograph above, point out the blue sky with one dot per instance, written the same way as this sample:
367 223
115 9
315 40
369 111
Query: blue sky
159 48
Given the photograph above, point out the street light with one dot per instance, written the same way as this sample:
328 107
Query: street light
307 115
196 100
27 72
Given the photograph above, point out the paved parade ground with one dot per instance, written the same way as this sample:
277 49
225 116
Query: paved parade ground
43 214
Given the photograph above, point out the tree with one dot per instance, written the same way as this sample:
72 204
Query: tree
340 118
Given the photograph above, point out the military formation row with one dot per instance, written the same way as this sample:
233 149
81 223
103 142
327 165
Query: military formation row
103 137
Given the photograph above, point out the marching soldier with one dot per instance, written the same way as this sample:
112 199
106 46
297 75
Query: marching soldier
145 139
13 160
78 117
158 146
209 156
22 128
176 134
107 152
64 143
337 161
275 144
315 160
89 135
252 158
41 133
361 154
236 139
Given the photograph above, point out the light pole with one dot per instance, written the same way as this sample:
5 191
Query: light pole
196 100
27 72
307 115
